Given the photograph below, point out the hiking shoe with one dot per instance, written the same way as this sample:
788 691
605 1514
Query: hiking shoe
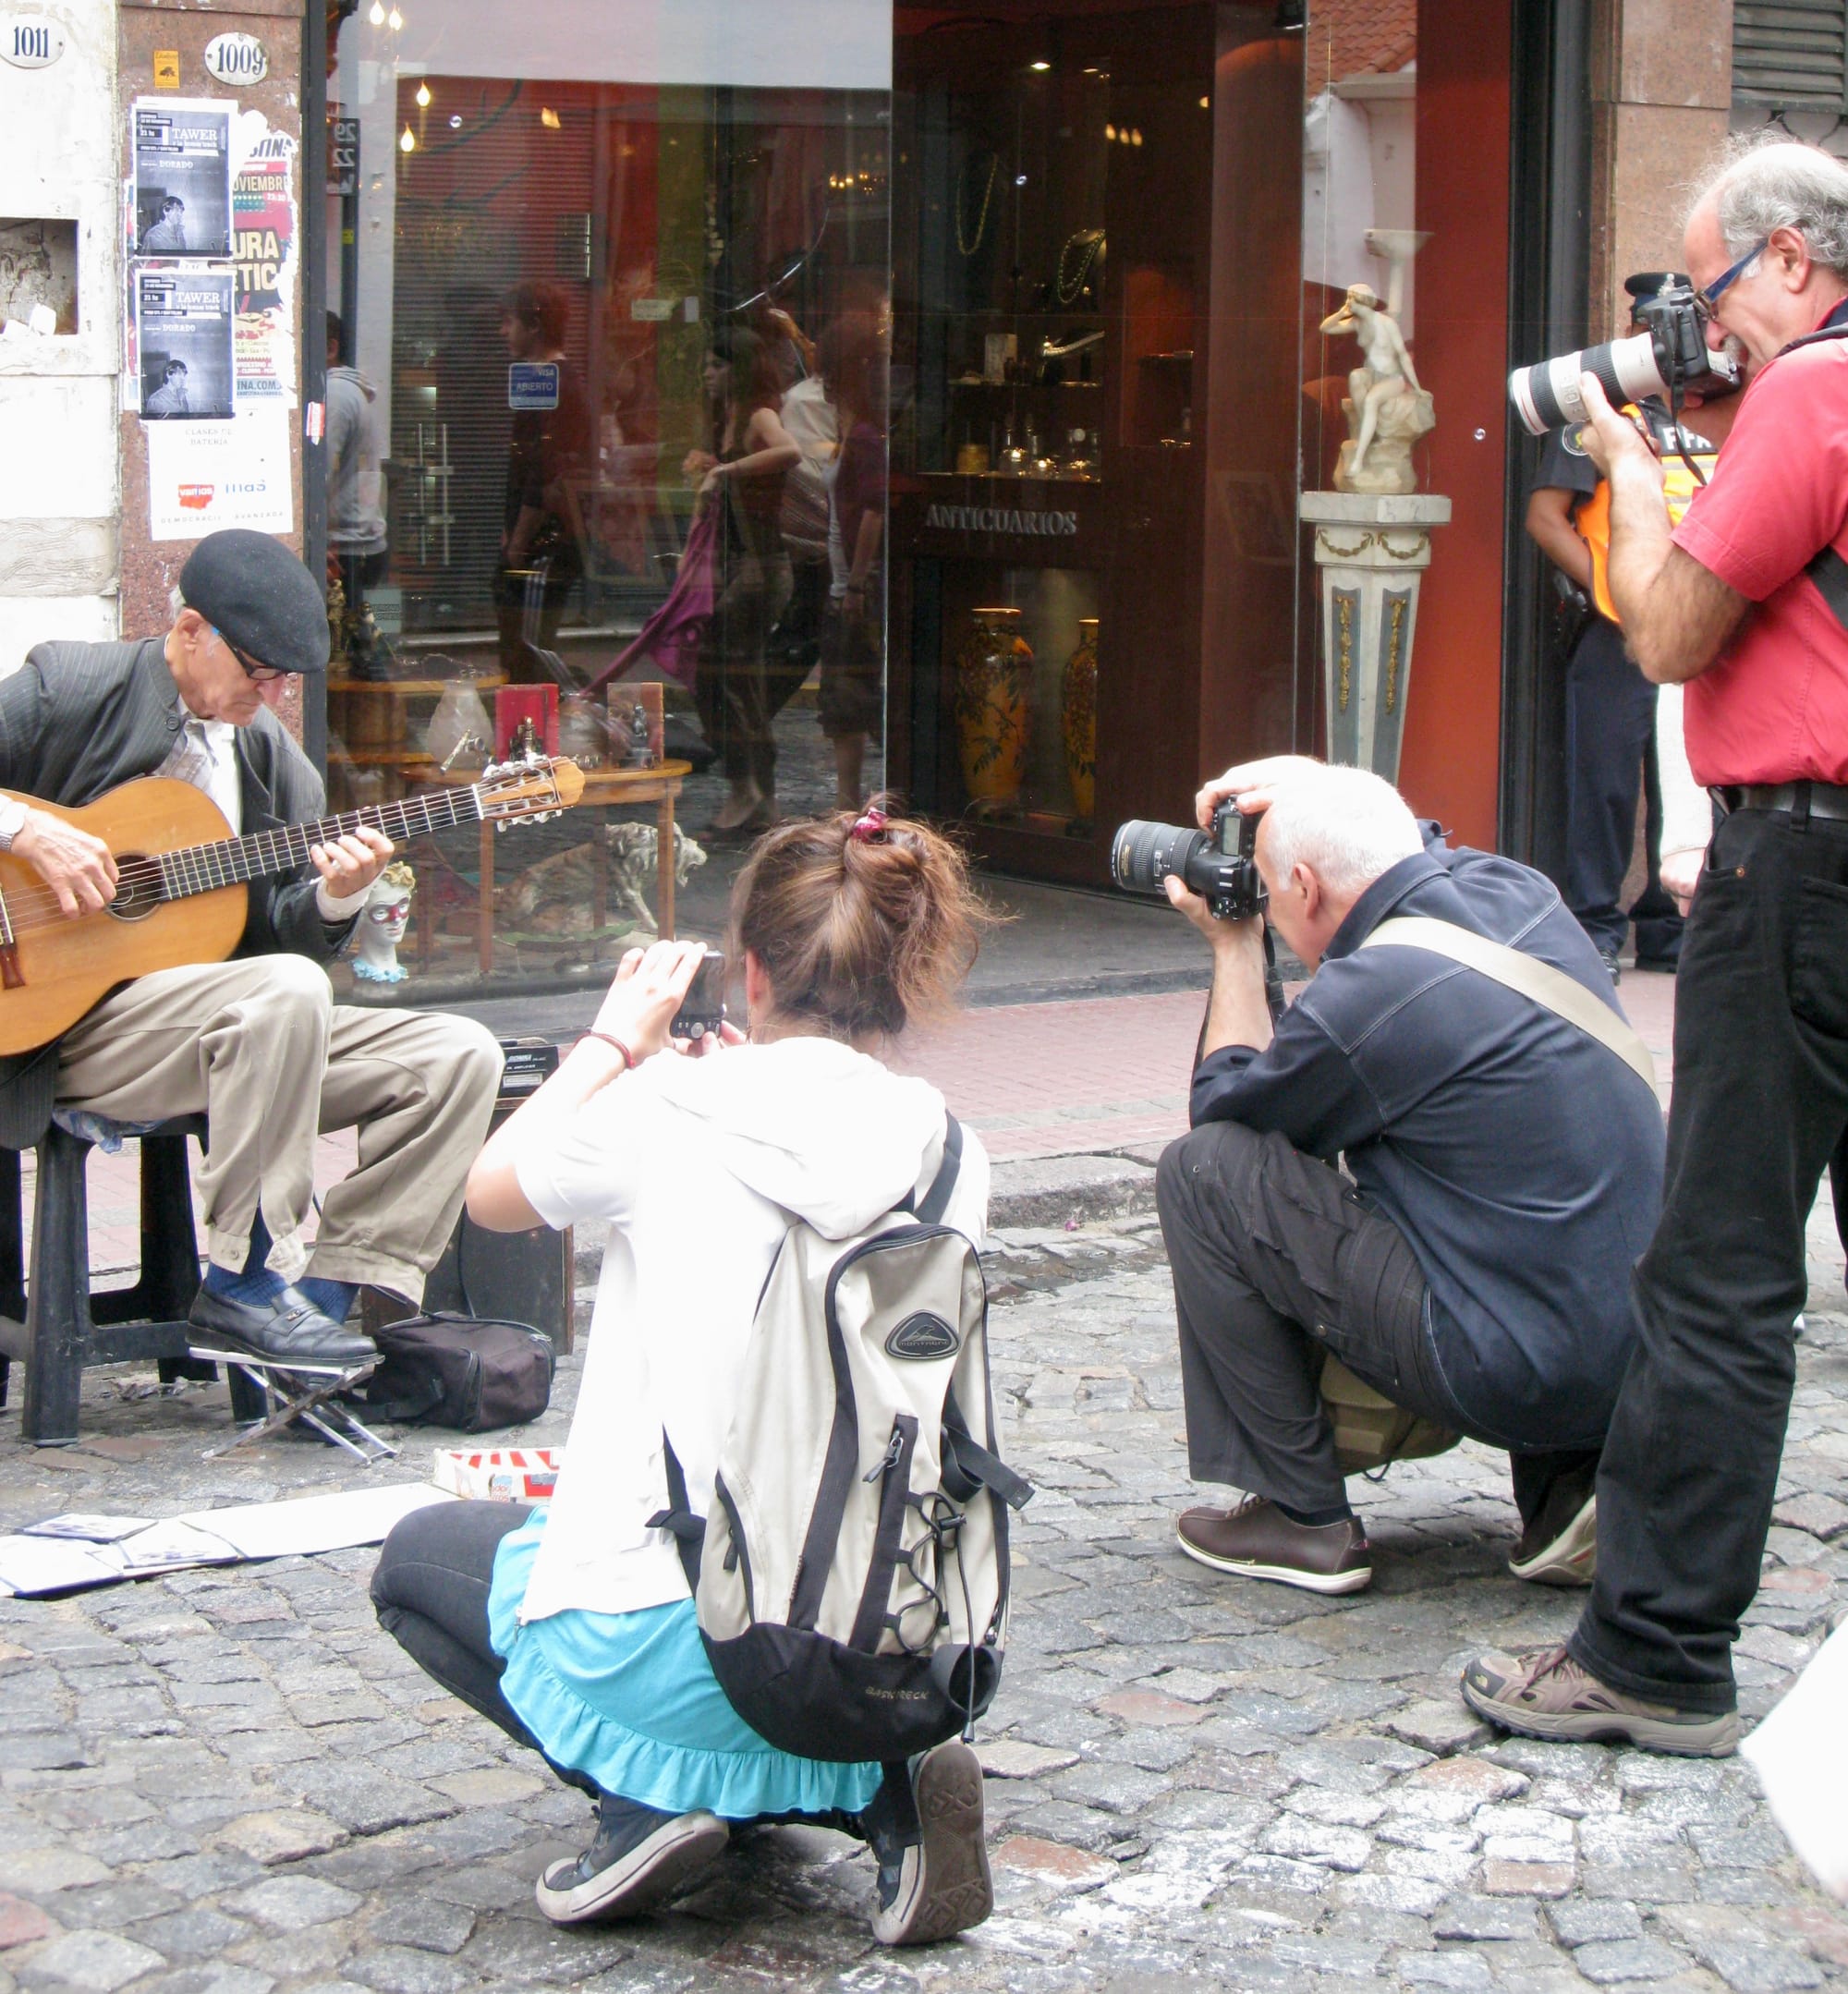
1560 1546
933 1874
1545 1694
1257 1541
640 1856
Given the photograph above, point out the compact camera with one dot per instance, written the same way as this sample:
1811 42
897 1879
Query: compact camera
1669 355
1216 864
702 1010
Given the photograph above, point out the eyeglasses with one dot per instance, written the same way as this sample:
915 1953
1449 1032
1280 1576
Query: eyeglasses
259 674
1711 294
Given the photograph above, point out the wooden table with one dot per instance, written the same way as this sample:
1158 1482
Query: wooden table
602 789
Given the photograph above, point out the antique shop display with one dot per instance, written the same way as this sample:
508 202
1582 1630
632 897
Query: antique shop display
382 924
1078 719
993 708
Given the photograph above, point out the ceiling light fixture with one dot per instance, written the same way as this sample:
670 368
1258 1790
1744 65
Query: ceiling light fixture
406 140
423 96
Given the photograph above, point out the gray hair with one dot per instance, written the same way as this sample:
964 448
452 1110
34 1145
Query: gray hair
1346 825
1770 182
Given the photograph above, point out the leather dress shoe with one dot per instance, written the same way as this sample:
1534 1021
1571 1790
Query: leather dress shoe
1257 1541
288 1329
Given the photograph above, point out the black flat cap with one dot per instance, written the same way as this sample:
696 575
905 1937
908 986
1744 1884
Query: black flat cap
258 598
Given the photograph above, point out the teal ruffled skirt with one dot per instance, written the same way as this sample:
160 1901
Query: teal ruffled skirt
630 1699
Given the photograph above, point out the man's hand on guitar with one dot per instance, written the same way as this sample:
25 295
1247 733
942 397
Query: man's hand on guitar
77 867
349 864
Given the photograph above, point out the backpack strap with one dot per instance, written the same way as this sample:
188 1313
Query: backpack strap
936 1200
689 1531
1538 981
969 1465
1829 571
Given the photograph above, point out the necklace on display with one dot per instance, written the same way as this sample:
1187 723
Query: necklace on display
966 245
1089 242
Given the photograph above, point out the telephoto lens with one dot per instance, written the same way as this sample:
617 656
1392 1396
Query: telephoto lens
1144 854
1547 396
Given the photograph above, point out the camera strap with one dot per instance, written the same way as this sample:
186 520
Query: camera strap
1552 989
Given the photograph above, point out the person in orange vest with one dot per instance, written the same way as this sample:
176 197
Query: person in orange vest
1610 707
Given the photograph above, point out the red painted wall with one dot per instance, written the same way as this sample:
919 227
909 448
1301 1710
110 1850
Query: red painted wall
1450 769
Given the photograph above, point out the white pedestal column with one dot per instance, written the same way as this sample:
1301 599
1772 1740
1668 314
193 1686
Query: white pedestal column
1372 552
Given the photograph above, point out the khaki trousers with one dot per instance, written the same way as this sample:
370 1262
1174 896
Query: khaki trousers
261 1048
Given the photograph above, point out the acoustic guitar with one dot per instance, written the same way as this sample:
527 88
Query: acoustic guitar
180 893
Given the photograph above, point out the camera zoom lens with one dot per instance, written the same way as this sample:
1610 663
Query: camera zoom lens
1143 853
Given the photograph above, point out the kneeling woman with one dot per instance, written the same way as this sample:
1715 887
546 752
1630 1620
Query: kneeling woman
570 1624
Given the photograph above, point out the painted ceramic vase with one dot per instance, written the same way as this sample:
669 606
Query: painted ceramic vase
1078 718
994 672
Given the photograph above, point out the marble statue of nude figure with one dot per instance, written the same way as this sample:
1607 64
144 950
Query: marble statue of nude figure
1388 411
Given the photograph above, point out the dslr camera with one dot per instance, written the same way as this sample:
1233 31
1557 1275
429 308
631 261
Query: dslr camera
1216 864
1669 355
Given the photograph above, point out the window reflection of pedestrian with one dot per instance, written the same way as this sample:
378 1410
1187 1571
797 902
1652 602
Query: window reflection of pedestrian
852 643
166 235
540 541
744 472
355 521
170 397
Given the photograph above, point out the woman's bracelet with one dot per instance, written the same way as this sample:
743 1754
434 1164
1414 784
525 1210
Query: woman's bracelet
609 1037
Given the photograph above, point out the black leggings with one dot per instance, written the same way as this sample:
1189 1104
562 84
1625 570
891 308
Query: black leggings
431 1593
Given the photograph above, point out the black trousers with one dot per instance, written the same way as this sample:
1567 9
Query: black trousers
430 1589
1610 750
1273 1254
1760 1101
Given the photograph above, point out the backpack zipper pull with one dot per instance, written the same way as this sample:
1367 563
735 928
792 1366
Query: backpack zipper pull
894 1447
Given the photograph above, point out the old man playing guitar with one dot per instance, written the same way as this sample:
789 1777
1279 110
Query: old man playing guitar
117 909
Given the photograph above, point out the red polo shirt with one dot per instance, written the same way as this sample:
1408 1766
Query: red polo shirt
1774 707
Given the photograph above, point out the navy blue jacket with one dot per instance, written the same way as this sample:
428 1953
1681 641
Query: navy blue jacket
1522 1160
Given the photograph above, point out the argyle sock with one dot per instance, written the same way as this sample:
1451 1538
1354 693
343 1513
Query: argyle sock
334 1299
253 1284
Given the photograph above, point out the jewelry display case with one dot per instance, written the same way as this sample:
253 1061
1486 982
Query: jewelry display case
1053 257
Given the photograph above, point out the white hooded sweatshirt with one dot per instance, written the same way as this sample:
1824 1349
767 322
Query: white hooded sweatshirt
698 1165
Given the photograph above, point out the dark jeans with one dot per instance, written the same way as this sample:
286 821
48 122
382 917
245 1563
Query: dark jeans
429 1590
1610 750
1273 1254
743 684
1760 1101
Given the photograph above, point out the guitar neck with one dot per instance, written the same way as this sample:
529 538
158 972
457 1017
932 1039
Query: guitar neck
202 868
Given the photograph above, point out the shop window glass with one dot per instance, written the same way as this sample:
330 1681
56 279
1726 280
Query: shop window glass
581 262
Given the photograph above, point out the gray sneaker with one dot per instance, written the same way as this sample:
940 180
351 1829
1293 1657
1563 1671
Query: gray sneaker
1545 1694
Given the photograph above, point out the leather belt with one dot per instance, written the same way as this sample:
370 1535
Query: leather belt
1813 799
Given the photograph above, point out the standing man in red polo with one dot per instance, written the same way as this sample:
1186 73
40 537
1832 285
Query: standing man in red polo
1746 601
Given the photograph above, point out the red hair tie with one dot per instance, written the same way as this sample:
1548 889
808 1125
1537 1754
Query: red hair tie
869 828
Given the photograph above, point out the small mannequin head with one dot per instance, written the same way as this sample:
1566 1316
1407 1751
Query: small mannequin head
382 921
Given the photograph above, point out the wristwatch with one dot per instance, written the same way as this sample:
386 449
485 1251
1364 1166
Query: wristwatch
12 821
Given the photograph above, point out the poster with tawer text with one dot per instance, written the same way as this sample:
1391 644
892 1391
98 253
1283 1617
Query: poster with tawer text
183 334
202 476
182 160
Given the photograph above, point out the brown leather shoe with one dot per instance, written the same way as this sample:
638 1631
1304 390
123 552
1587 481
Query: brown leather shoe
1257 1541
1543 1693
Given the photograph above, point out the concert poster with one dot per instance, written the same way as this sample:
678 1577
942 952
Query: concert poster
183 337
182 170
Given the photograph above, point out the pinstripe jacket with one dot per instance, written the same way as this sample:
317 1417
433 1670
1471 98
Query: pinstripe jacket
78 719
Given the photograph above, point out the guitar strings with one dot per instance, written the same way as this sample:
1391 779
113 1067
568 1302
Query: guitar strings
34 908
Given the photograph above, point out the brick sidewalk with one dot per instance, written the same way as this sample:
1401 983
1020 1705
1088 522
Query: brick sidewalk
1035 1080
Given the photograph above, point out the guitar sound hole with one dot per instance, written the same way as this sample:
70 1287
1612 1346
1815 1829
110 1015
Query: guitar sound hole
135 899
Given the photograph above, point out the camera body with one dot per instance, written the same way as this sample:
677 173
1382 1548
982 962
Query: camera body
1669 355
702 1010
1216 864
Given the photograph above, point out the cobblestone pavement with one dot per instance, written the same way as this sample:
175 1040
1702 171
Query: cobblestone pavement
228 1782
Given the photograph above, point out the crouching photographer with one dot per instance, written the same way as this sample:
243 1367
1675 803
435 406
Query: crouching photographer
1460 1046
